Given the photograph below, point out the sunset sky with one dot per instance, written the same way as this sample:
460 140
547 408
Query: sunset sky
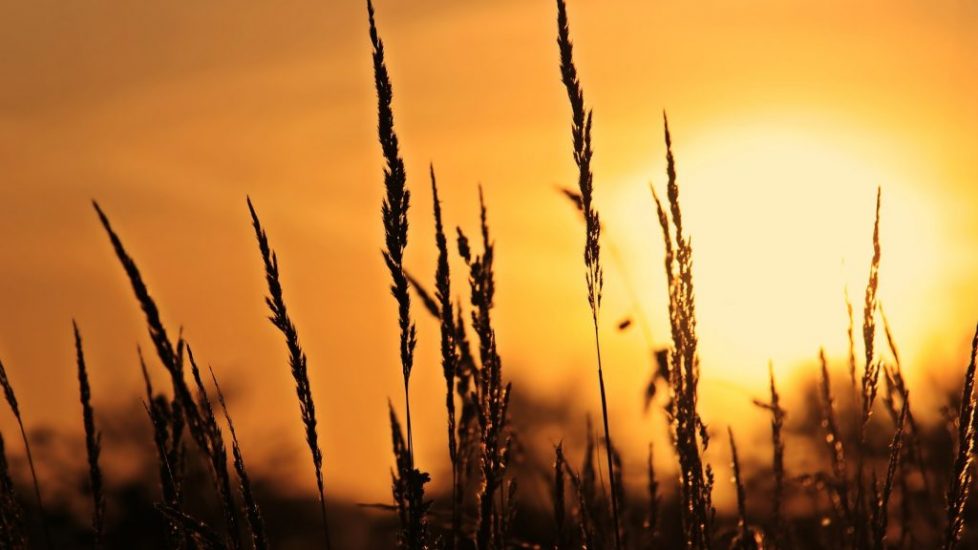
786 116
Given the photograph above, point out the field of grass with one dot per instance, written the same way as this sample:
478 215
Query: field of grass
887 476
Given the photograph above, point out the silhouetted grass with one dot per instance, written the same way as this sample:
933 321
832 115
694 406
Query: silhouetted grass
594 274
962 472
12 529
256 524
688 429
839 499
92 442
297 360
11 397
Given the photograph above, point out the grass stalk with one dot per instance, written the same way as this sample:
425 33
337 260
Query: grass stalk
744 538
594 274
256 524
394 212
962 472
93 442
11 397
297 361
12 527
218 456
449 359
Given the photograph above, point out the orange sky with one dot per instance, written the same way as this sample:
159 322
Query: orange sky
785 117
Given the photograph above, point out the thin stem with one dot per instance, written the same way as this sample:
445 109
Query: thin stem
37 486
607 437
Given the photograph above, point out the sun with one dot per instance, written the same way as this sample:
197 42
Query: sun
781 221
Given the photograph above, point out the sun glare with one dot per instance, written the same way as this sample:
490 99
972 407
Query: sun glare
781 222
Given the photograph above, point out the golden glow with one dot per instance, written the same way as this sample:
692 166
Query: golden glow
785 118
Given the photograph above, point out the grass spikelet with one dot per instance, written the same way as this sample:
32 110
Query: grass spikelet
851 336
297 360
11 397
777 445
218 456
169 355
688 430
394 211
166 438
256 523
93 441
962 472
443 293
743 539
870 382
594 275
491 393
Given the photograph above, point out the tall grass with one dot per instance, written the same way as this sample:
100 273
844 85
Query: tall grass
962 472
689 431
169 354
394 212
594 274
881 497
93 441
839 479
166 423
256 523
297 360
491 393
859 479
780 531
11 397
409 482
559 503
12 529
744 539
449 360
218 456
